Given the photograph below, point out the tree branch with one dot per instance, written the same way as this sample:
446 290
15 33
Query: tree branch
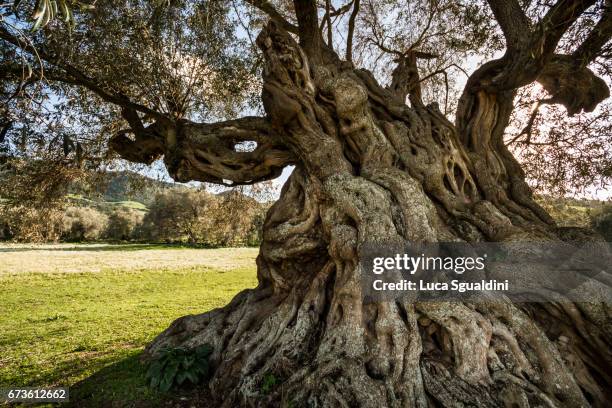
527 130
308 27
574 86
327 19
558 20
405 79
72 75
484 109
192 151
566 77
514 23
523 64
207 152
421 37
597 38
268 8
351 31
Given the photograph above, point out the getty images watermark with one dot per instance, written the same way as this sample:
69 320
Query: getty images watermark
519 271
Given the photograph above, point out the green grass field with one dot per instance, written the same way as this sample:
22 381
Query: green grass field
85 330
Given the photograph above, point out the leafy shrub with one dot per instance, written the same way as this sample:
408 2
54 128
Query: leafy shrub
5 230
601 221
240 220
176 365
29 224
182 215
83 224
228 219
122 224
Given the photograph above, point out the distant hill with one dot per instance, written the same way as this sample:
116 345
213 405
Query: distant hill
130 186
123 188
105 206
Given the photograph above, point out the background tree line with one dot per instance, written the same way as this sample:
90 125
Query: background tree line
199 217
136 208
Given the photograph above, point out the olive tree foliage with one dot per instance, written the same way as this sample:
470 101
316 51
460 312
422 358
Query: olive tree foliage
24 223
67 87
33 197
602 222
561 154
205 70
380 155
240 219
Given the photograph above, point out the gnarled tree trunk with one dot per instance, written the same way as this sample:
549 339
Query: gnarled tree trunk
369 168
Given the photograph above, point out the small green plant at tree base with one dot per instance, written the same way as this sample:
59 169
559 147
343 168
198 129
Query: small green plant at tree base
176 365
268 383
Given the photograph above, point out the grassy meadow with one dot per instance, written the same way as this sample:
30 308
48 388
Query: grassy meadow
79 315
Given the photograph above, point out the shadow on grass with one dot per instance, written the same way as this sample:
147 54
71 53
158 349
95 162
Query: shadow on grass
121 384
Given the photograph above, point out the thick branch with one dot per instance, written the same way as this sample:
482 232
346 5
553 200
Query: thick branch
308 27
558 20
145 149
341 10
486 104
268 8
147 144
574 86
328 21
405 80
597 38
207 152
528 50
512 20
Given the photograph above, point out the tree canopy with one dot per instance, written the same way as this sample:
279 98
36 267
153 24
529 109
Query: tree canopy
105 73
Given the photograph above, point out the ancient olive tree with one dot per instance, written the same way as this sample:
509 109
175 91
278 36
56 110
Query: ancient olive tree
374 163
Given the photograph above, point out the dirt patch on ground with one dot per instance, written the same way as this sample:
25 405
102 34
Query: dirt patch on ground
67 258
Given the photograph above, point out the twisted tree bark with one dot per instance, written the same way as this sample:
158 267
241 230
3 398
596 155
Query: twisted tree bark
369 168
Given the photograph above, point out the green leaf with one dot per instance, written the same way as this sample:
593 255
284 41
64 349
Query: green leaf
165 385
171 372
154 370
188 361
154 382
178 364
181 377
192 377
